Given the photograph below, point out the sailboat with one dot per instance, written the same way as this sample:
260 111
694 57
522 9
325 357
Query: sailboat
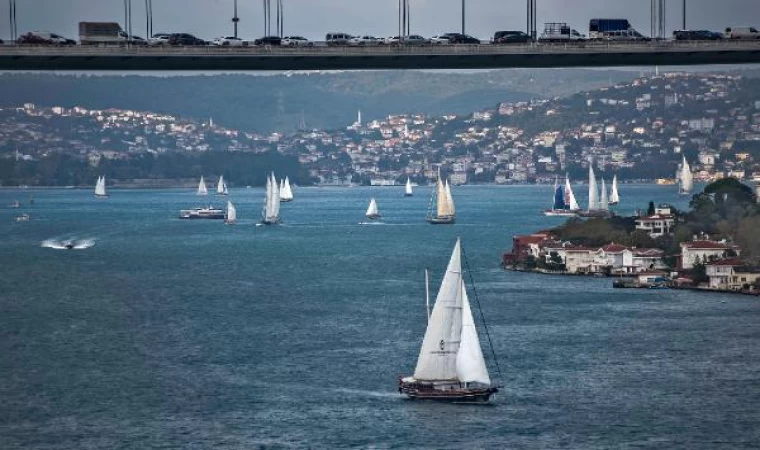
685 179
570 200
408 191
372 211
270 215
595 207
560 206
221 186
231 216
604 202
202 190
286 194
100 187
450 366
593 195
614 196
441 208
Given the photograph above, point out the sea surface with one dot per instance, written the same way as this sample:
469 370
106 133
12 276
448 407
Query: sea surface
195 335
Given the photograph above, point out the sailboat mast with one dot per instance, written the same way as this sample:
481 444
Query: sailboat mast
427 293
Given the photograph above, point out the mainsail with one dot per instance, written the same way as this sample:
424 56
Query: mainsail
271 211
202 190
221 187
593 199
442 205
100 187
286 194
559 197
451 348
570 196
614 196
231 213
450 200
408 191
372 210
604 203
686 178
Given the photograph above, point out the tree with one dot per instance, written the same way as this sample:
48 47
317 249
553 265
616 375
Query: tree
650 210
699 273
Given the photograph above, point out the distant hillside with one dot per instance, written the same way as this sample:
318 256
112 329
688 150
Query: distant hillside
323 100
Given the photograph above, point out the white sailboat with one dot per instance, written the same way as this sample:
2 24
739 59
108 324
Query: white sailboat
570 196
614 196
560 201
593 199
685 178
372 211
202 190
231 216
221 186
450 199
450 366
286 194
441 209
408 190
100 187
604 203
270 215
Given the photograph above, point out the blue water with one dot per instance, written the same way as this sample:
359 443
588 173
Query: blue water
192 334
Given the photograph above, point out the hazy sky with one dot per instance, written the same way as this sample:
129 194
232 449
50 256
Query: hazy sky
312 18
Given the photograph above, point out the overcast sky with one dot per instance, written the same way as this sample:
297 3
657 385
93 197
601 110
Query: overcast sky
312 18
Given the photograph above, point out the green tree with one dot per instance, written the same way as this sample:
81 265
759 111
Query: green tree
650 210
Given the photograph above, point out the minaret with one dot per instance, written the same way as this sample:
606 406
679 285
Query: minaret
359 117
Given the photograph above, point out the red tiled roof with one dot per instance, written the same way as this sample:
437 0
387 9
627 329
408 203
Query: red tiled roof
727 262
648 252
614 248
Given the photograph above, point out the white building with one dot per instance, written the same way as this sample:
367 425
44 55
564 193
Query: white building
656 225
703 251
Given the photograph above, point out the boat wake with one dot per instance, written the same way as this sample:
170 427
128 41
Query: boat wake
363 393
68 244
372 223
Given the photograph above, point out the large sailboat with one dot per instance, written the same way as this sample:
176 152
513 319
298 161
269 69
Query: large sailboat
408 190
372 211
614 195
441 210
270 215
286 194
202 190
604 200
595 207
564 203
685 178
100 187
221 186
231 216
450 366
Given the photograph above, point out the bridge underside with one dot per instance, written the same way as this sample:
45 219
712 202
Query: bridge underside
148 61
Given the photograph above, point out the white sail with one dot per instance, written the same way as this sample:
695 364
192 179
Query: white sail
604 203
100 187
570 196
408 187
686 178
614 196
442 208
593 199
221 189
202 190
372 210
450 200
438 355
231 213
273 200
471 365
286 194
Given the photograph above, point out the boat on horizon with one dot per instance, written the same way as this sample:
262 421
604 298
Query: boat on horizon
202 189
221 186
270 214
372 212
441 210
451 366
231 216
100 187
286 193
209 212
408 190
22 218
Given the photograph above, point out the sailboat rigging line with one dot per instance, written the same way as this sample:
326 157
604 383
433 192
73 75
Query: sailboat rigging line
482 316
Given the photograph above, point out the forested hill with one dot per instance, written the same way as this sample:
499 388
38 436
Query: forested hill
280 102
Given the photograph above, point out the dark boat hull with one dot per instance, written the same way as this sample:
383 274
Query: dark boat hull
457 395
374 217
441 220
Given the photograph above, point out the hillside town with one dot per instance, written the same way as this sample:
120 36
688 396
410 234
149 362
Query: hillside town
638 130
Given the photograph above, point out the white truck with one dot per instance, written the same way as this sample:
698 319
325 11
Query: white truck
560 32
106 33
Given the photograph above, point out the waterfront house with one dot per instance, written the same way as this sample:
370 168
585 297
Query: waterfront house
731 274
703 250
656 225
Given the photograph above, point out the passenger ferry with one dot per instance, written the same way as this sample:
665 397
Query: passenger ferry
202 213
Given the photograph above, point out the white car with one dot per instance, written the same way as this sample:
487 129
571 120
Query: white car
296 41
742 33
364 41
228 41
440 40
412 39
159 39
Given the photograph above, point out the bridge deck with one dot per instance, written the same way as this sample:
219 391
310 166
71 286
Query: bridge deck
380 57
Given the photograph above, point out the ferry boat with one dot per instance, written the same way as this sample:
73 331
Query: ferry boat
666 181
202 213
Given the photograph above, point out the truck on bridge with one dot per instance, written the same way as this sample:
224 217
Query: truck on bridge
105 33
614 30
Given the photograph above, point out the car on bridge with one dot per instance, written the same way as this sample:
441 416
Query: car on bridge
334 38
44 38
440 40
183 39
560 32
742 33
296 41
459 38
696 35
510 37
412 39
364 41
159 39
274 41
229 41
